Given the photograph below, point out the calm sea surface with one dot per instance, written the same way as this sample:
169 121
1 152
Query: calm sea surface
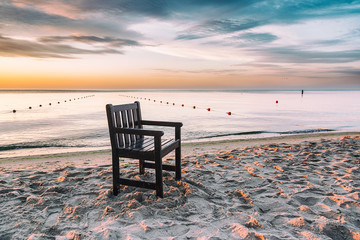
76 120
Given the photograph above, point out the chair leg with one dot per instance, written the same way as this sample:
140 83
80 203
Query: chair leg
141 166
159 178
178 163
158 168
116 173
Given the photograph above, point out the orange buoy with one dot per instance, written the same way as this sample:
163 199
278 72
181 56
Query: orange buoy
228 113
208 109
160 101
40 105
50 104
30 107
14 111
167 102
173 104
154 100
194 107
58 102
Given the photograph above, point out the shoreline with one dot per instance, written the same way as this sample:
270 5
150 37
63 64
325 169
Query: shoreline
103 157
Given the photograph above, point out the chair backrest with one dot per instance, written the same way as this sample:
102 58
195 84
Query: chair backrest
123 116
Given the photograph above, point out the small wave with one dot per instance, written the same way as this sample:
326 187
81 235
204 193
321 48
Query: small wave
307 131
234 134
32 146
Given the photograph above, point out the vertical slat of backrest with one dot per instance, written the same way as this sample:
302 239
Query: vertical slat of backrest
138 116
131 124
120 136
138 113
125 125
111 124
136 121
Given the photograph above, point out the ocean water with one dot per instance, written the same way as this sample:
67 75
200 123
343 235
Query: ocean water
76 120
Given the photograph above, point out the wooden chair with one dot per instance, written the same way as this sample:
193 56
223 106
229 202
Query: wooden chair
130 140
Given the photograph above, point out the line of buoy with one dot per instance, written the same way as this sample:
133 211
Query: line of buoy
40 105
182 105
194 107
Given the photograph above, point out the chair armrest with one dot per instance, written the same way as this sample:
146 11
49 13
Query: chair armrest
137 131
161 123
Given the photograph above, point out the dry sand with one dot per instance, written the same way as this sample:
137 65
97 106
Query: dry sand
284 188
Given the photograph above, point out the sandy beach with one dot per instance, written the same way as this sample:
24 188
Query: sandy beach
294 187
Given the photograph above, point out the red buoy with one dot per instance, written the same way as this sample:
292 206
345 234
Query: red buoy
160 101
14 111
173 104
182 105
30 107
154 100
40 105
167 102
277 101
208 109
228 113
50 104
194 107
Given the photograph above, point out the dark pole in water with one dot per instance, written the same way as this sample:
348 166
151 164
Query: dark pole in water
302 92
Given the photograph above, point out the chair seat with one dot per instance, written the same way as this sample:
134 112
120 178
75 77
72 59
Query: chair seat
144 148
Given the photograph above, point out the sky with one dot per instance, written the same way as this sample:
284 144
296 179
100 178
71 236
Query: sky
127 44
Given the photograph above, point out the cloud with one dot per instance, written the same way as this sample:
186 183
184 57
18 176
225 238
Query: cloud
255 37
154 8
15 17
350 72
255 14
110 41
13 14
329 42
297 55
10 47
214 27
199 71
